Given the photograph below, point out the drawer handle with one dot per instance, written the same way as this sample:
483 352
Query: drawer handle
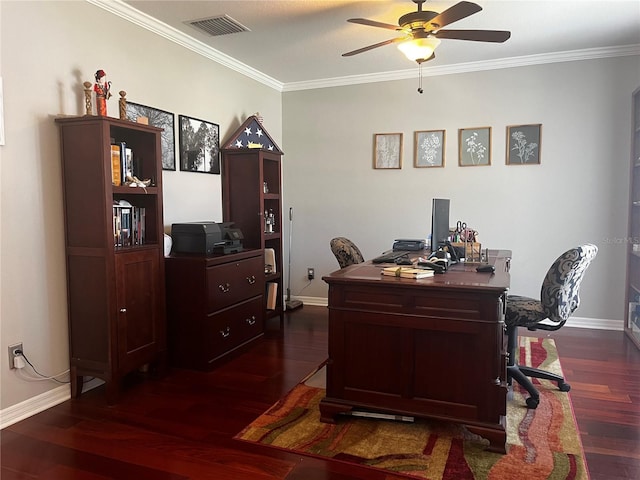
224 288
252 320
225 333
123 310
251 279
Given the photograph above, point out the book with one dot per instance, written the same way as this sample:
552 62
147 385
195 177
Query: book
126 163
269 260
272 292
407 272
129 172
116 178
123 162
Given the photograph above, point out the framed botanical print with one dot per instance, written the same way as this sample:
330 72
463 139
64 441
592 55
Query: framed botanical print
387 151
199 145
474 146
523 144
429 148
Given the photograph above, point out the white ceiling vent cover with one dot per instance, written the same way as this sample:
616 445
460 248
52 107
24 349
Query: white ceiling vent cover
219 25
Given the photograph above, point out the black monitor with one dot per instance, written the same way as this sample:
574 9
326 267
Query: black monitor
439 222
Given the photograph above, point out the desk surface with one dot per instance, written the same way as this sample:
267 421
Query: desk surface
458 276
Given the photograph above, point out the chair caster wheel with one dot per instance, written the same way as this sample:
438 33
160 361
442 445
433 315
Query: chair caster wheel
564 387
532 403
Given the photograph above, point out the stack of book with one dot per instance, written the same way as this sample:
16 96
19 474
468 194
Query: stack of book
407 272
128 224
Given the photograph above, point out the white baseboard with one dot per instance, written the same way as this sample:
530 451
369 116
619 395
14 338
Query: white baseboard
579 322
313 301
596 323
40 403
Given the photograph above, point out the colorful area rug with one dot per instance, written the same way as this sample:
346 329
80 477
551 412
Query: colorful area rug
541 444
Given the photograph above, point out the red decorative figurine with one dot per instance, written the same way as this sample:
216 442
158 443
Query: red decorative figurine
102 88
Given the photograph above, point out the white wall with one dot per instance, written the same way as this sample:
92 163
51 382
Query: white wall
47 50
578 194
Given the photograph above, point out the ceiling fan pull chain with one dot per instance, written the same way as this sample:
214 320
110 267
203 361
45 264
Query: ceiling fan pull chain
420 78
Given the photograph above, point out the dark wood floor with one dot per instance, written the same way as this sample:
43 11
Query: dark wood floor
182 427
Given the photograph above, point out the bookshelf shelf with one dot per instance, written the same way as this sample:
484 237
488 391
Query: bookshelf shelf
115 290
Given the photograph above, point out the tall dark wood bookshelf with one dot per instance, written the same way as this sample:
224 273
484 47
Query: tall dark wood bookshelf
632 312
252 190
116 292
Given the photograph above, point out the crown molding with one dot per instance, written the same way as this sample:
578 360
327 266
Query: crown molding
469 67
127 12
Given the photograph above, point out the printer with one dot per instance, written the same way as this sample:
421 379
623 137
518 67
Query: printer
196 237
232 239
206 238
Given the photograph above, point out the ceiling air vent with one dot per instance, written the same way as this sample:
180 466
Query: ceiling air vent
220 25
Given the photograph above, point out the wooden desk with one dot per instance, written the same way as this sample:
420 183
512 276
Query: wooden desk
432 347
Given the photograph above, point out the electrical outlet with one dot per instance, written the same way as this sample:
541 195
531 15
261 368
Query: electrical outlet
13 354
311 273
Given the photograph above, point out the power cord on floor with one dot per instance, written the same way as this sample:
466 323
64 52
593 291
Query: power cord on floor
303 288
18 363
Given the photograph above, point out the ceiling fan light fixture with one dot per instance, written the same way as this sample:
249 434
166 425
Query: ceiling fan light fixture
419 49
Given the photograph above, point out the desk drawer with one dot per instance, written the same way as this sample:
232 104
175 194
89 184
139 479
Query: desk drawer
428 303
230 328
233 282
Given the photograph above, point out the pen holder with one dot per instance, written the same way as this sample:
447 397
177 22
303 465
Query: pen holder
472 251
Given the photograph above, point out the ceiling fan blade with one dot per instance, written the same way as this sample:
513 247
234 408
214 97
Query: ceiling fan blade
497 36
453 14
373 23
371 47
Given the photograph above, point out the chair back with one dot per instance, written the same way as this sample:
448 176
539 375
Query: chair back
346 252
561 286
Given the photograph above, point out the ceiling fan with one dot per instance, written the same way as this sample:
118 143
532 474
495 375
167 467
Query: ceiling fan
421 31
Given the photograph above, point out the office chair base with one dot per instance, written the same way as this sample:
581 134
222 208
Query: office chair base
537 373
522 374
514 373
532 403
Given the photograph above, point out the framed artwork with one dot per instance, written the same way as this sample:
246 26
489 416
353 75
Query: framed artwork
429 148
523 144
474 146
199 145
387 151
161 119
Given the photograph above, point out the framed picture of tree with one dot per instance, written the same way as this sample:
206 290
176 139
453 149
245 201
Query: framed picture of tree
429 148
523 144
474 146
161 119
199 145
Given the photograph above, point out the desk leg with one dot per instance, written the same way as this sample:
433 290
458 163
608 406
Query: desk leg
497 436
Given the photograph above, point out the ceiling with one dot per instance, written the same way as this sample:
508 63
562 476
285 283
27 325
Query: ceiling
301 41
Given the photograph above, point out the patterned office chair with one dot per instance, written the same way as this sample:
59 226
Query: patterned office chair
559 299
346 252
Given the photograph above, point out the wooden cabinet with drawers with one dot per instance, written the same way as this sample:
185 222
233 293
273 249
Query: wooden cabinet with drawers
215 306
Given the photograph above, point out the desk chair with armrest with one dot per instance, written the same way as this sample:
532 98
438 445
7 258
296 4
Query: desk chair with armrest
559 298
346 252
